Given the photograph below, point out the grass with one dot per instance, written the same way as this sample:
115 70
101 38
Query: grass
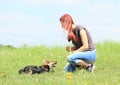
107 70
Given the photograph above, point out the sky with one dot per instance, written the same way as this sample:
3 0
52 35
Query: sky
36 22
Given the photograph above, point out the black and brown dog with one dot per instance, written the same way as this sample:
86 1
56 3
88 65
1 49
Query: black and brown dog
46 67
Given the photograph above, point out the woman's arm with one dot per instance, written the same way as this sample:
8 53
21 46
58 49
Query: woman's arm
84 39
68 48
84 47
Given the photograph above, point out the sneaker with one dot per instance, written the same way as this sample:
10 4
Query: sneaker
90 68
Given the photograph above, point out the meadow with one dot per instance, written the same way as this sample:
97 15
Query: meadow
107 71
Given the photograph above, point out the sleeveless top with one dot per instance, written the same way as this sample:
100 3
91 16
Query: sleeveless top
78 44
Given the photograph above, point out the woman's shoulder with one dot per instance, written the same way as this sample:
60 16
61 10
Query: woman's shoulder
79 27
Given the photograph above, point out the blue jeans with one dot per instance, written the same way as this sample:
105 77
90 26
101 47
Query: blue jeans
73 59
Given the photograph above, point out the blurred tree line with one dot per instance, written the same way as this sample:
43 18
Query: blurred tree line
6 46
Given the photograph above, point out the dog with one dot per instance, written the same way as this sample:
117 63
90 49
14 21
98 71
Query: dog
45 67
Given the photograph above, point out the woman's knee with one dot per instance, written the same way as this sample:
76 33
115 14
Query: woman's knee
69 58
72 58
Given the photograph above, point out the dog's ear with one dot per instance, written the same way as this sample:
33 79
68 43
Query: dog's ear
44 62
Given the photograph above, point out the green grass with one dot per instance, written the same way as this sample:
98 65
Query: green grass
107 70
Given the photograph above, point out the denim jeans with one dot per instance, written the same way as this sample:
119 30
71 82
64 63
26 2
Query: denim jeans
72 59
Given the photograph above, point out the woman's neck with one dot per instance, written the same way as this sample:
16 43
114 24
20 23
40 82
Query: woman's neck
73 26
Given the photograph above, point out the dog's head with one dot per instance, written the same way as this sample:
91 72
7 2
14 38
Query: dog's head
50 63
46 68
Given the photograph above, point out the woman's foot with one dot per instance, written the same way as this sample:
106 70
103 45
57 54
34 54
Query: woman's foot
90 68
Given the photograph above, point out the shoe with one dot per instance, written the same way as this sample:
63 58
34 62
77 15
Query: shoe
90 68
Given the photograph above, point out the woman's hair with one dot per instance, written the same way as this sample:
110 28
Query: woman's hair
68 21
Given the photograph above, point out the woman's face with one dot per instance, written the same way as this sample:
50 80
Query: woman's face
64 25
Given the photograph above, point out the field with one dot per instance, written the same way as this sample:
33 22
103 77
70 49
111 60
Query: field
107 71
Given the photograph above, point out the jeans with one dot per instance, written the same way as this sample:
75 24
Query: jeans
73 59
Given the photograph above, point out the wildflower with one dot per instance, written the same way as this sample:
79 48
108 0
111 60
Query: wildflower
69 74
68 81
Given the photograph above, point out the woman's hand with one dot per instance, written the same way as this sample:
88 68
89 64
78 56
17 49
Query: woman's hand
68 48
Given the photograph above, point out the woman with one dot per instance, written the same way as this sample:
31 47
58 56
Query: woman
83 51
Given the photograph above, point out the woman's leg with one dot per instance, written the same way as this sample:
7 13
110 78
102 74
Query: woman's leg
88 56
69 68
83 63
82 58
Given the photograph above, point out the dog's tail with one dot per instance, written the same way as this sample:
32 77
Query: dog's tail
21 71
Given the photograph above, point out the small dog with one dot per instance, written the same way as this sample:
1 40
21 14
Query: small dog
46 67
